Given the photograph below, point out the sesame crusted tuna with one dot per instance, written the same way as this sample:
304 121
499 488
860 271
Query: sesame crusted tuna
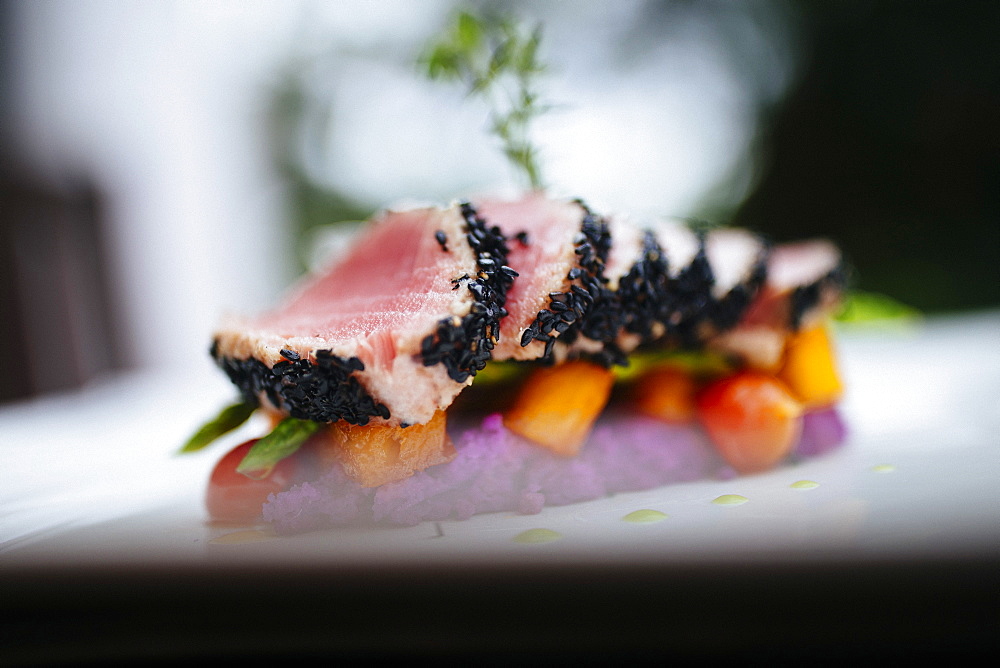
599 286
700 283
805 280
803 285
620 286
393 331
670 286
738 259
637 272
593 331
558 248
426 297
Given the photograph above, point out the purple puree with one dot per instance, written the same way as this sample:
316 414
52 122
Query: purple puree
497 471
822 431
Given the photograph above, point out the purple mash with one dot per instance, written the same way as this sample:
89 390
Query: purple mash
822 431
495 470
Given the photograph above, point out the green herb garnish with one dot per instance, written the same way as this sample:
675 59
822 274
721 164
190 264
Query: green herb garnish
226 421
695 362
287 437
496 59
860 307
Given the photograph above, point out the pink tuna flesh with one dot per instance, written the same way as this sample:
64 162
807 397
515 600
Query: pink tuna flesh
416 301
542 258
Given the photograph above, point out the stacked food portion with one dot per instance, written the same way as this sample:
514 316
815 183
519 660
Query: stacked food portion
502 355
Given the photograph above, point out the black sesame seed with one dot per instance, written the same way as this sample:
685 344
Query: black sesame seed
588 307
643 291
324 391
464 345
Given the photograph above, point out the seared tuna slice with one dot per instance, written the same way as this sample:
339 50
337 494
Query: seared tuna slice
804 283
681 282
675 287
642 288
805 280
738 259
636 274
712 279
596 329
558 248
628 296
393 331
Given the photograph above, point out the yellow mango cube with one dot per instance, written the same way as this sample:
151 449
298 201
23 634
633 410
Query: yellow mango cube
558 405
377 454
810 368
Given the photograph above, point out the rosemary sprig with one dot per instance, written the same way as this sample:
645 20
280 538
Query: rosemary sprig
496 58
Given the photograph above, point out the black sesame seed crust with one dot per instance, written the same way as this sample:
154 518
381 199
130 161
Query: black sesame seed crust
725 313
643 290
464 345
691 294
687 307
805 297
442 240
589 307
646 296
326 389
322 391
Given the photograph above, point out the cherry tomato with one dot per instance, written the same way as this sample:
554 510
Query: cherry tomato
233 497
753 419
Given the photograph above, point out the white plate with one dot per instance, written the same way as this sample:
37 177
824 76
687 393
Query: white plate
91 478
105 555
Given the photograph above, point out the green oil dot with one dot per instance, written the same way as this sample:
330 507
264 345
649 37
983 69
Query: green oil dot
240 537
537 536
644 516
804 484
884 468
730 500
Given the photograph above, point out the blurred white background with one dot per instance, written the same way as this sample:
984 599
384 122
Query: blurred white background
200 123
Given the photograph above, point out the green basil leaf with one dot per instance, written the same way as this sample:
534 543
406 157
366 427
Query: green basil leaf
287 437
226 421
695 362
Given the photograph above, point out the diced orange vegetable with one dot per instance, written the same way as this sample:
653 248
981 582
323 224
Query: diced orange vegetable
273 416
557 406
752 418
377 454
810 368
667 393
